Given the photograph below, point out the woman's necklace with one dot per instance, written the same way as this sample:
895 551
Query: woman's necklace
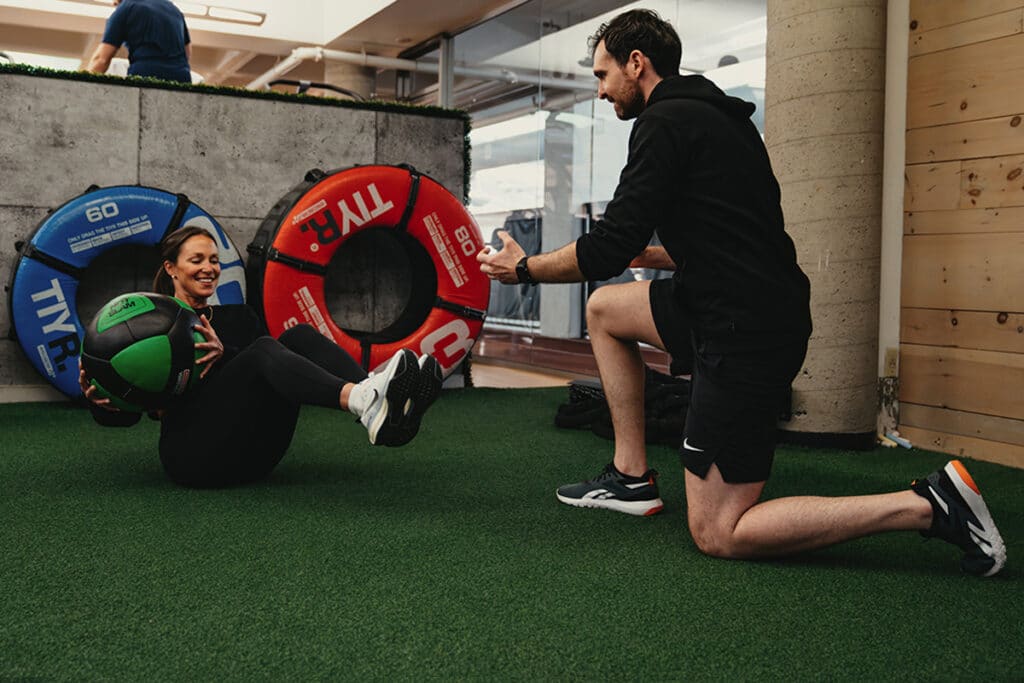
208 312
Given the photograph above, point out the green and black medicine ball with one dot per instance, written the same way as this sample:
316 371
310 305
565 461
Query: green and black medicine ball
139 350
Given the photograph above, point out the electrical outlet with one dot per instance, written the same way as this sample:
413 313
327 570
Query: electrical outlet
892 362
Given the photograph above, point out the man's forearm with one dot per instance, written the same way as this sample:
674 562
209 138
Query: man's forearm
98 65
100 60
559 265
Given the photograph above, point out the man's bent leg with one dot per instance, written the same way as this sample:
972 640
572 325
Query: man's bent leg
727 521
618 316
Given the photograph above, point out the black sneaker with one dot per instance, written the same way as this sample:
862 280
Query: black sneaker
615 491
960 516
428 387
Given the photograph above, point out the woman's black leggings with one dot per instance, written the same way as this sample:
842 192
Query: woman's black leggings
236 426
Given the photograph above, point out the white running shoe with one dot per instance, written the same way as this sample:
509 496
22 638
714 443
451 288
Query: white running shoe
960 517
393 386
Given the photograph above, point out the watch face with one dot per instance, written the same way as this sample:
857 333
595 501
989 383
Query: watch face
522 272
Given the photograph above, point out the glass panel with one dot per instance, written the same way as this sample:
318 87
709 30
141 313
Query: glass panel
546 154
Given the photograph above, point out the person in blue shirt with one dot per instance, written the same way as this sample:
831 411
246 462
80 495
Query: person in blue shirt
158 42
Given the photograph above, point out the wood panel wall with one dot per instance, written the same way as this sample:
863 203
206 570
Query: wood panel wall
962 295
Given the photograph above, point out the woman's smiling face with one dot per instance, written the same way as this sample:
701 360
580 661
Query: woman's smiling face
196 270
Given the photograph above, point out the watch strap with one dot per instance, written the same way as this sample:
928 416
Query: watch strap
523 272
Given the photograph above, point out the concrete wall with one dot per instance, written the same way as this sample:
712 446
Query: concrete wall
232 156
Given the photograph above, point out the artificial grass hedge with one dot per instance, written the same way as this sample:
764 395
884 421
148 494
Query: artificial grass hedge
451 558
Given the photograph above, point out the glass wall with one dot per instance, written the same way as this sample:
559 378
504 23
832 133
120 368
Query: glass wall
546 154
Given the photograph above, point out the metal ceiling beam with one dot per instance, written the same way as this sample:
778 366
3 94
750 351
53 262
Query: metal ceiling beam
301 54
446 72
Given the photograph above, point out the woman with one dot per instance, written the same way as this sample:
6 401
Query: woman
237 423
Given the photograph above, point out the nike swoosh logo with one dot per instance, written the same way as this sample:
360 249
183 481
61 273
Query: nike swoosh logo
687 446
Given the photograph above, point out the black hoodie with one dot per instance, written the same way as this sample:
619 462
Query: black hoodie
698 174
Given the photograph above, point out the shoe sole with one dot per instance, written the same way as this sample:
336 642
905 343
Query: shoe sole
431 380
640 508
988 534
385 428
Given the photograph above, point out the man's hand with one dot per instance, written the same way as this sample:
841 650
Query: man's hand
501 265
213 346
653 257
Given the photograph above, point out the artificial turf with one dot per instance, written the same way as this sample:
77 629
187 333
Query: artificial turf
451 559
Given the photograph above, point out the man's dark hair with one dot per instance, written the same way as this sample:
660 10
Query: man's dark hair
644 30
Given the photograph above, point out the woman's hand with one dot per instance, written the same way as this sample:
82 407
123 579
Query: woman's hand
213 346
89 391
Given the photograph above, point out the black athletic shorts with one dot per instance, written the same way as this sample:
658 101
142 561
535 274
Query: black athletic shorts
736 397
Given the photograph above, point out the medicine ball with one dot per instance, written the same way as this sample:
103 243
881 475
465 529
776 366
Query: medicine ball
139 350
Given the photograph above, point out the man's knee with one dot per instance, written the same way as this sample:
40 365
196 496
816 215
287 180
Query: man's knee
714 540
604 304
596 305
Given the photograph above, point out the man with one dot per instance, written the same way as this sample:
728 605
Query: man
158 42
698 174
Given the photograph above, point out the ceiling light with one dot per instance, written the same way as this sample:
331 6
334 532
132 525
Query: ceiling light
198 10
236 16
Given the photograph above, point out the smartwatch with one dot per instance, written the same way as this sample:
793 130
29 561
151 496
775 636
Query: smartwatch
523 273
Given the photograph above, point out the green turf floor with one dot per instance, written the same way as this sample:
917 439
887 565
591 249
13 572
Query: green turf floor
451 559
